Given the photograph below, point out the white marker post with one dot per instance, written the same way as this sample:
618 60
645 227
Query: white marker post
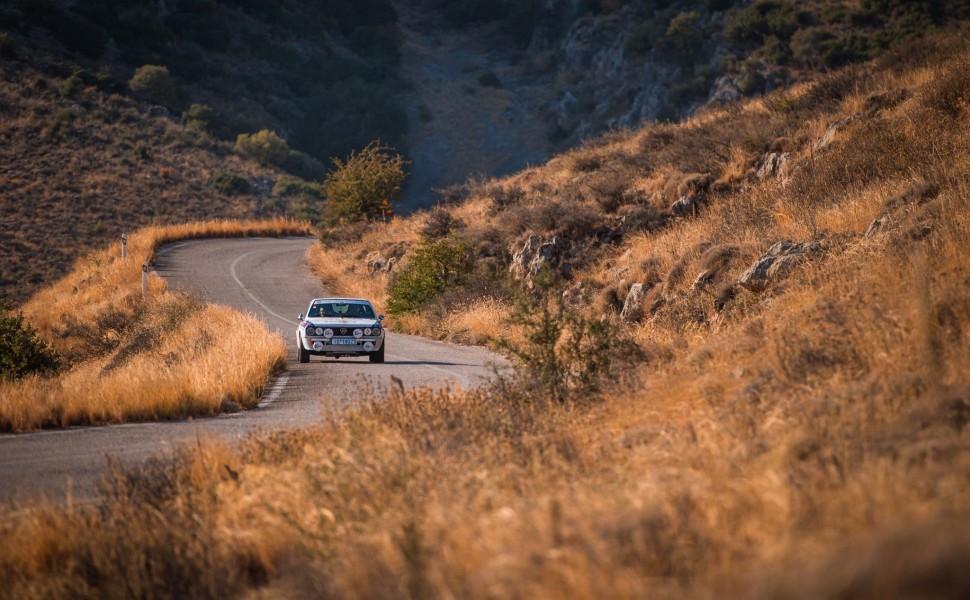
144 278
124 246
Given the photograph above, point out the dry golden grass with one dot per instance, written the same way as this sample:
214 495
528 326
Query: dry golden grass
142 357
808 441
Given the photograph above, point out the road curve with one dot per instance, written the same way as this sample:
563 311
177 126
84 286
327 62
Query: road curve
268 278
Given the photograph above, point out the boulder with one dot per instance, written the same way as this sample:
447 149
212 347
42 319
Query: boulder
775 264
633 305
773 165
530 255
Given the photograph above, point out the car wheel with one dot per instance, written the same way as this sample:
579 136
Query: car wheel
378 355
303 352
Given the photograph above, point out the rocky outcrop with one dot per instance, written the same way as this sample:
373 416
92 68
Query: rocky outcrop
633 305
773 164
531 255
378 264
776 263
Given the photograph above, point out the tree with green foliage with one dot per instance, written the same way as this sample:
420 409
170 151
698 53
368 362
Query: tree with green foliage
435 266
264 145
155 84
22 352
360 187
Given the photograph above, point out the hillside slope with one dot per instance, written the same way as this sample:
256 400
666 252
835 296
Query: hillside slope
79 167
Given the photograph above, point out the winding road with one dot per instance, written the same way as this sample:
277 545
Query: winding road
268 278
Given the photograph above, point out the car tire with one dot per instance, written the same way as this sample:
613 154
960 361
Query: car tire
303 352
378 355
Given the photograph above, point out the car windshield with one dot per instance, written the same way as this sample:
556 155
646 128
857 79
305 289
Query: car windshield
352 310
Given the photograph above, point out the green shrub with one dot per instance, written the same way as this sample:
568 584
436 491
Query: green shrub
762 19
360 187
683 38
21 351
566 354
204 118
229 184
288 186
71 86
154 84
435 266
265 146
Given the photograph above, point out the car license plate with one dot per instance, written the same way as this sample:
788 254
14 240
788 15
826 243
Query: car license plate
343 342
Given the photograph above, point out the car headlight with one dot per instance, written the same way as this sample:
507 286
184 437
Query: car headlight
376 330
328 333
318 331
367 331
358 333
309 329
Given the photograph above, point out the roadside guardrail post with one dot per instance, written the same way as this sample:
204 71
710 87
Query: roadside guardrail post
144 278
124 246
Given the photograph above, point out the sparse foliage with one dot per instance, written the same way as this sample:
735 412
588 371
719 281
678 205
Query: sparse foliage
358 187
567 353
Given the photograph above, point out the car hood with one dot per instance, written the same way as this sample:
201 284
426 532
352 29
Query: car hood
341 322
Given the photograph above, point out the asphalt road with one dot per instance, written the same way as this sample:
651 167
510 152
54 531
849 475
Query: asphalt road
268 278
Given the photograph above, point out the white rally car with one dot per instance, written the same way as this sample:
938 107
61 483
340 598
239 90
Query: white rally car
340 327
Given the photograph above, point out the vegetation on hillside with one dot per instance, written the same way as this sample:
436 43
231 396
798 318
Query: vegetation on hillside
322 70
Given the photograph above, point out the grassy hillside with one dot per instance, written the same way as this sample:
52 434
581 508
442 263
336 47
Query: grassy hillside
131 356
798 435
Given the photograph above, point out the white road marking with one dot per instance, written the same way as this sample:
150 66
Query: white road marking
274 391
232 271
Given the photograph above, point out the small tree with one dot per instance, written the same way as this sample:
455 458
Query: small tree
265 146
155 84
357 187
435 266
21 351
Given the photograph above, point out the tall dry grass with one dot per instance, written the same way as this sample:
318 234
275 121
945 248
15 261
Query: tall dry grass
142 357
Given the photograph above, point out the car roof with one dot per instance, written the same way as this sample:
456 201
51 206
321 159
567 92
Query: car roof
328 300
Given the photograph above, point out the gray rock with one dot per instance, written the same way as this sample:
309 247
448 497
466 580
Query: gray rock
703 280
724 91
876 226
633 305
687 206
829 136
773 165
532 254
775 264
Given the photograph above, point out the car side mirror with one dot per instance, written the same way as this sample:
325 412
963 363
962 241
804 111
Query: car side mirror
380 317
300 317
